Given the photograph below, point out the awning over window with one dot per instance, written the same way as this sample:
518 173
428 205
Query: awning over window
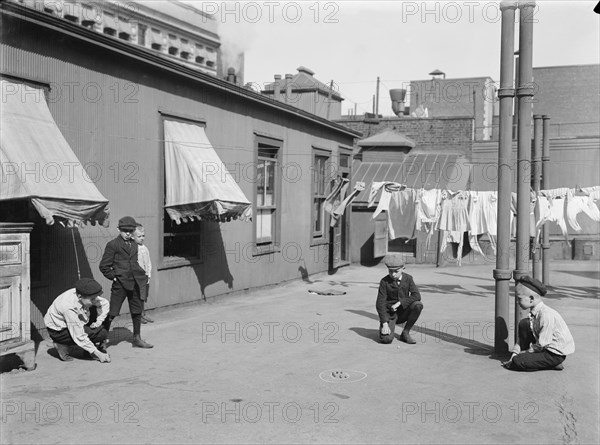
198 185
37 163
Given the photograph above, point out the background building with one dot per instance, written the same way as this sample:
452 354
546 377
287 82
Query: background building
121 108
304 91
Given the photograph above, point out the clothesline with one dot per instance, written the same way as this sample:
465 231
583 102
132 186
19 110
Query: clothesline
475 212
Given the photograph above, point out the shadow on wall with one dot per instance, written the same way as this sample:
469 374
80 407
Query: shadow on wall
214 267
54 255
367 252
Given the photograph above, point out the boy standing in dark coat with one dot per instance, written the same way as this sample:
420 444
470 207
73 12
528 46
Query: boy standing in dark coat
120 265
398 301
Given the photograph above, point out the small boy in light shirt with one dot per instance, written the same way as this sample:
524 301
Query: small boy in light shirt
544 338
144 260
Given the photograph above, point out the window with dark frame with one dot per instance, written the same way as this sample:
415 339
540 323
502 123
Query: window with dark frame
181 240
320 175
266 204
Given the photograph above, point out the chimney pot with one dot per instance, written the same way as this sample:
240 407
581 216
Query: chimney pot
231 77
277 87
288 87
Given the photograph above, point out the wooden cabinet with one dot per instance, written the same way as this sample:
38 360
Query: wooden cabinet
15 331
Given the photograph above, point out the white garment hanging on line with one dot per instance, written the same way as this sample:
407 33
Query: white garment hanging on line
483 218
402 216
581 204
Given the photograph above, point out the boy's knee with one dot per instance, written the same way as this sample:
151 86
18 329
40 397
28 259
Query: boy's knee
520 363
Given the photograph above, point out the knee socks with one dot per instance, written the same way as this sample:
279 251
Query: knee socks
137 324
107 322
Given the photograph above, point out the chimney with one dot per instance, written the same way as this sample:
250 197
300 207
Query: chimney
288 87
277 87
398 97
231 77
436 73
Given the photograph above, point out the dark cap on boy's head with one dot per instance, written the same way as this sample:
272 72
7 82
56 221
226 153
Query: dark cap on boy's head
88 287
533 284
127 223
394 262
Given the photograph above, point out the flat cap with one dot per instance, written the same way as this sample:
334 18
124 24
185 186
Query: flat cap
127 223
532 283
394 261
88 287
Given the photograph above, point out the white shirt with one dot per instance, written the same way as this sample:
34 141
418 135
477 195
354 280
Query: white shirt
550 331
67 312
144 260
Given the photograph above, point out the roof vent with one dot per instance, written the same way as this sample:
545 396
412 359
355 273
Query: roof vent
436 73
303 69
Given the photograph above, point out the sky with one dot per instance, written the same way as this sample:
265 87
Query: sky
354 42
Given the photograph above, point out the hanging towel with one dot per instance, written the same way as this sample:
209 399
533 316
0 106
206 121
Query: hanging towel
402 215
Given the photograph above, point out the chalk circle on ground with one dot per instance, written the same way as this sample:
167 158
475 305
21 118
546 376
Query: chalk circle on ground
341 376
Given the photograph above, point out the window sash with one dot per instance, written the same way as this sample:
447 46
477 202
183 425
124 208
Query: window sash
319 190
266 195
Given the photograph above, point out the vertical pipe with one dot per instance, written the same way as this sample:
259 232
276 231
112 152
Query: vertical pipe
524 96
506 94
546 186
516 109
377 99
535 185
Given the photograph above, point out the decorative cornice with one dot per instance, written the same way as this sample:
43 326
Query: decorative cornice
157 60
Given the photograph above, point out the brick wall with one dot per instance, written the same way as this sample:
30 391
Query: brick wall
570 96
436 134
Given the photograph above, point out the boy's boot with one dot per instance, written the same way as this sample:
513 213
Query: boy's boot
139 343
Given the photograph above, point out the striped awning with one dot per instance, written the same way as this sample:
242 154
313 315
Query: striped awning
37 163
198 185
